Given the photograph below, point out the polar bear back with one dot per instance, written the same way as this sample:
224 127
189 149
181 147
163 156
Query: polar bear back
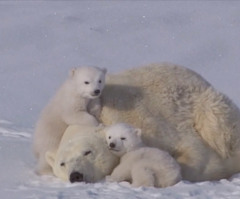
167 83
150 156
168 103
151 162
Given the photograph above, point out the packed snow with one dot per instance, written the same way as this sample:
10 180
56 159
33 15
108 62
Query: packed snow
41 40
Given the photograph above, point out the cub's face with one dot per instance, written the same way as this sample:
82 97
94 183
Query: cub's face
122 138
86 159
89 81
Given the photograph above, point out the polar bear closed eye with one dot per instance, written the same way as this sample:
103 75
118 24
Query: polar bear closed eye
141 165
76 102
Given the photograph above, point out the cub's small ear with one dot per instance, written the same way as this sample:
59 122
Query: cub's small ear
138 132
72 72
50 158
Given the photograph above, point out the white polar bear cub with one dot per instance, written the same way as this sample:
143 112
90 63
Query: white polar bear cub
144 166
76 102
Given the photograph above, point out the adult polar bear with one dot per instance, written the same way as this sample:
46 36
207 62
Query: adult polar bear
180 112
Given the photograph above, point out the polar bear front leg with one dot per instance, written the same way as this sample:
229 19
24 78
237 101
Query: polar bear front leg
43 168
120 173
142 176
94 107
81 118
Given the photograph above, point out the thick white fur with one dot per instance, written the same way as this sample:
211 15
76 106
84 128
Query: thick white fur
141 165
82 149
180 112
74 103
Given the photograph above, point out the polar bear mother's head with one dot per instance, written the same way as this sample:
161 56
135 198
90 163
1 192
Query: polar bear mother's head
82 156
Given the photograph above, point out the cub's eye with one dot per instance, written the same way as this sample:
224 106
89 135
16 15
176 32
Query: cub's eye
123 138
62 164
109 137
86 82
87 153
100 81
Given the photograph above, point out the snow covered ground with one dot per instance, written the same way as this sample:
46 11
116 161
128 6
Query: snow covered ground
41 41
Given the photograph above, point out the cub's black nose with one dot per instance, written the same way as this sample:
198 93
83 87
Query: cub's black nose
76 177
97 92
112 145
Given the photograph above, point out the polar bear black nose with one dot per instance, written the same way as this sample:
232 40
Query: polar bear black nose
97 92
76 177
112 145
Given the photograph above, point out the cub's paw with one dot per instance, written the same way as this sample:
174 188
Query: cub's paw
109 179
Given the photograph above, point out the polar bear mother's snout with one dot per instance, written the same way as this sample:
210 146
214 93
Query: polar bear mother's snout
76 177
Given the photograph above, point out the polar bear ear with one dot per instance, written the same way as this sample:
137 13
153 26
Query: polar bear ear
72 72
50 158
138 132
104 70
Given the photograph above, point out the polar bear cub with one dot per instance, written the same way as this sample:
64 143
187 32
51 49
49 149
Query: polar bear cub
141 165
76 102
